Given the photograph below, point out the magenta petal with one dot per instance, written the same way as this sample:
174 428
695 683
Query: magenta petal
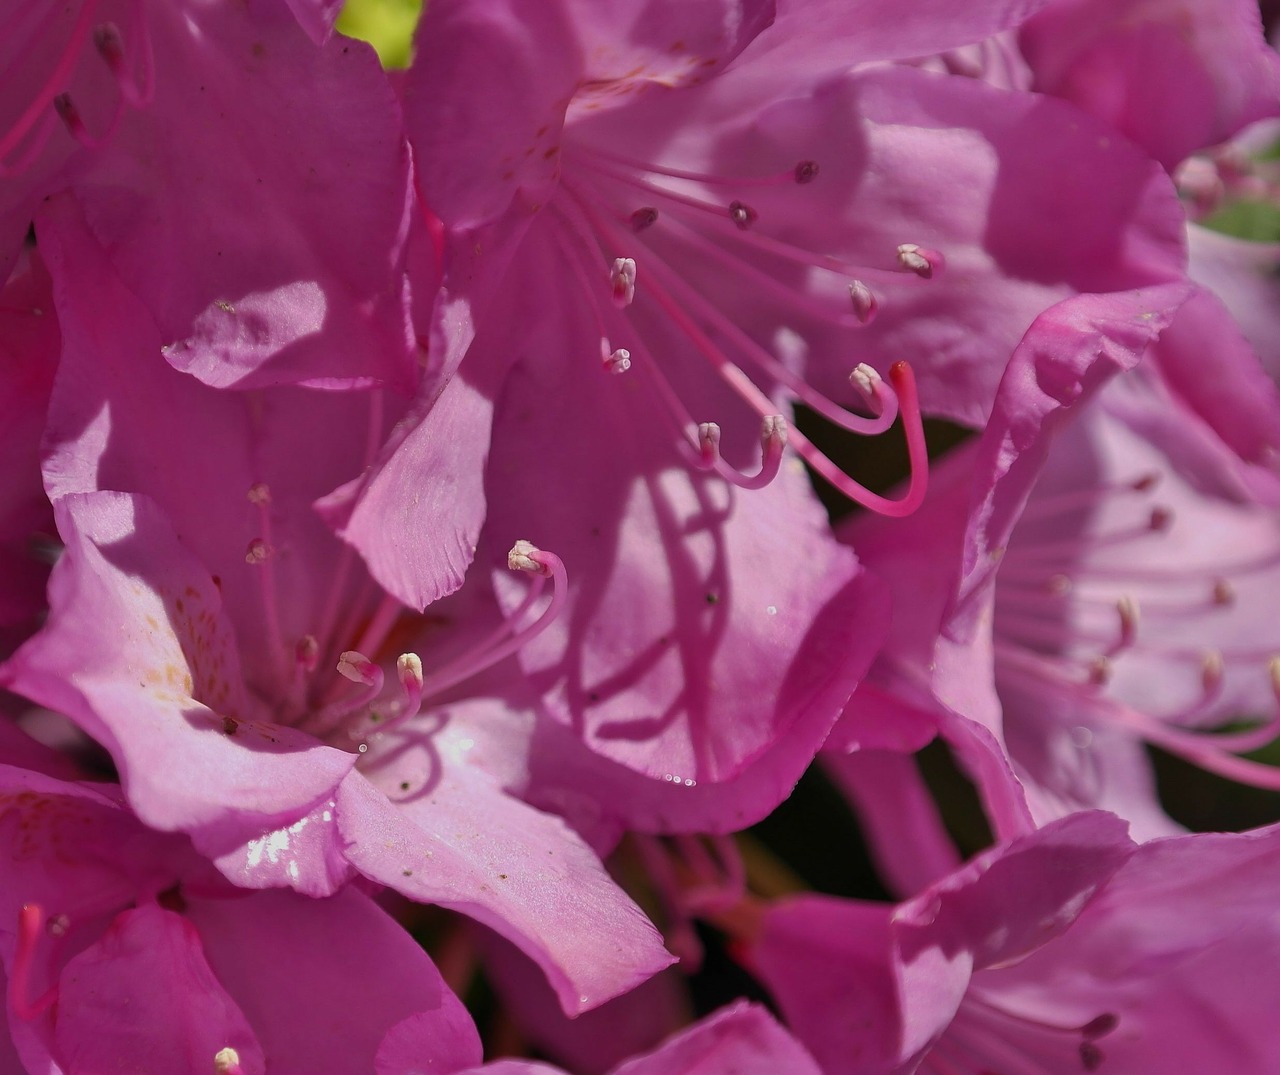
416 518
1070 351
325 1008
1179 947
1175 78
826 961
162 690
817 35
1011 900
572 777
743 1039
278 237
316 17
470 146
143 999
465 844
868 987
1246 276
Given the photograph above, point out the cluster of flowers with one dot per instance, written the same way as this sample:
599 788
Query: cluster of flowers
401 506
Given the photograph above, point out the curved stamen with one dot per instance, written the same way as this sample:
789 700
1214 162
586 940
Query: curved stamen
773 439
901 378
864 378
904 386
743 232
1210 750
541 565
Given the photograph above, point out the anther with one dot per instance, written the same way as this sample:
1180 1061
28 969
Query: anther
1211 671
1058 585
1161 519
1100 1026
622 278
1100 671
644 217
773 440
1223 592
226 1061
1146 483
1091 1056
526 556
742 215
924 263
307 652
806 171
258 552
58 925
709 441
355 666
70 116
617 361
1127 610
409 672
110 46
871 387
259 494
863 300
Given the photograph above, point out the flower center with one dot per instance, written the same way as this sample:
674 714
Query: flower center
1098 596
354 708
613 212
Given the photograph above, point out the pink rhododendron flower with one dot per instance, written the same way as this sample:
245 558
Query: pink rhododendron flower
728 242
880 988
124 951
636 251
234 692
1113 549
1066 951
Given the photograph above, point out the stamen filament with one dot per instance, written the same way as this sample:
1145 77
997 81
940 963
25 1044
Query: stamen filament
57 79
853 423
802 172
540 564
768 282
30 923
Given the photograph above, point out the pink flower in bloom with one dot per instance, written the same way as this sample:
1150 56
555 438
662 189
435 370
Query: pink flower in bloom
233 690
638 246
1064 952
876 988
123 951
1103 560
